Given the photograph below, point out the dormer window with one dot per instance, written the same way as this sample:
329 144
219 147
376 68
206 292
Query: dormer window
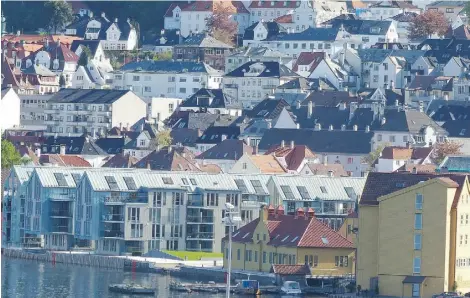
55 64
375 30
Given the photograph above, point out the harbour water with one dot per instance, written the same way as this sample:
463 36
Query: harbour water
28 279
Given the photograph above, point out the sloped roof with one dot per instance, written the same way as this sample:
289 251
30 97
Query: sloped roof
408 121
167 66
121 161
290 269
64 160
69 95
420 169
270 69
273 4
285 19
362 27
273 28
203 40
93 45
267 109
213 134
456 163
324 169
230 149
267 164
307 58
311 33
306 84
112 145
293 156
458 128
176 159
73 145
219 99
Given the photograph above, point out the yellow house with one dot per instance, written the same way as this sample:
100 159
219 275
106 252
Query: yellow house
413 235
276 238
350 227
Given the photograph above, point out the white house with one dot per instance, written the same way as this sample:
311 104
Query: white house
92 76
175 79
162 107
333 72
254 81
388 9
456 67
9 109
270 10
392 159
257 54
402 23
79 111
213 101
117 35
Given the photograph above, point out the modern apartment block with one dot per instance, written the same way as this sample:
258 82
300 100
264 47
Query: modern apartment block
77 111
413 234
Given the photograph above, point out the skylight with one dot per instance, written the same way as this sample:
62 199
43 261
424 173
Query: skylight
246 235
241 185
193 181
167 180
111 182
258 187
323 189
76 178
285 238
185 181
295 238
287 192
350 191
60 178
324 240
304 193
130 183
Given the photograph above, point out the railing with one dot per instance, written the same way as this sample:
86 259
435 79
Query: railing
113 217
61 213
114 234
61 229
231 85
269 86
200 235
200 219
62 197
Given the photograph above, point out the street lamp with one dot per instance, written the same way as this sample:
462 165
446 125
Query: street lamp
231 219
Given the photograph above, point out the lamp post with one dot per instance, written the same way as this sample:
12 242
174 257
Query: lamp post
231 219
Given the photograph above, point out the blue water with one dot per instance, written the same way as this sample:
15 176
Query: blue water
24 278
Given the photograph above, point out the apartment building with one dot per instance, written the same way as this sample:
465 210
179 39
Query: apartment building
388 9
254 81
423 249
301 239
9 109
79 111
32 109
331 198
450 9
258 54
174 79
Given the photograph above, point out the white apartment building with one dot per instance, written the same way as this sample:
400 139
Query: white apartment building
174 79
9 109
269 10
32 109
163 107
388 9
77 111
254 81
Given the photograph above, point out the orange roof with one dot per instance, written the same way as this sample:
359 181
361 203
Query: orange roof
31 47
285 19
64 160
267 164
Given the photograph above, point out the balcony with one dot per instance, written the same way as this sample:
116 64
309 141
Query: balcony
50 111
61 229
61 213
62 197
51 122
231 85
200 219
113 234
200 235
269 86
113 217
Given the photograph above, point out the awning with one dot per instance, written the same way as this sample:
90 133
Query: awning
410 279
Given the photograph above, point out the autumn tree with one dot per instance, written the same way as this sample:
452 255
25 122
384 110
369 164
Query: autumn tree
428 23
372 156
164 138
221 24
441 150
59 13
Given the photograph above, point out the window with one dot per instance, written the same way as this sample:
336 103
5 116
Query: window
182 90
350 160
391 138
147 89
405 139
376 78
418 221
417 265
264 257
379 138
415 290
133 214
419 202
137 230
238 254
449 10
417 241
136 78
315 261
170 108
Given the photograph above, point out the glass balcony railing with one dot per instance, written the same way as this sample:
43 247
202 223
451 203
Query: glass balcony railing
200 219
114 234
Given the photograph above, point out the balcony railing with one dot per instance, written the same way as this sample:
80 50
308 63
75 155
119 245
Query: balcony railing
113 217
61 213
61 229
200 219
114 234
62 197
200 235
269 86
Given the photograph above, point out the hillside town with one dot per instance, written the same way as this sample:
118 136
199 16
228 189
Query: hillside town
320 143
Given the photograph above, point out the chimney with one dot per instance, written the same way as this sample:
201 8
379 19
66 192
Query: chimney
355 127
421 106
142 127
367 128
269 123
330 128
310 109
283 144
318 126
325 160
263 213
170 149
300 212
392 84
298 104
280 210
397 103
298 125
255 150
382 122
271 210
62 149
310 213
248 141
414 170
103 15
330 173
223 137
116 20
343 127
120 126
292 144
38 152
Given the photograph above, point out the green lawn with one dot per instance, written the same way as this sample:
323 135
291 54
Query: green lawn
193 255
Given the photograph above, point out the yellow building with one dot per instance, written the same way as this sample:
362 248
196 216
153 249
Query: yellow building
275 238
350 227
413 235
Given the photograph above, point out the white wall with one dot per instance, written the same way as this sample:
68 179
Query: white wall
128 109
250 90
9 110
162 107
452 69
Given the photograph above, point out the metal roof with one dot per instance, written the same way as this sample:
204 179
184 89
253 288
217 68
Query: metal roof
48 179
23 173
333 187
249 185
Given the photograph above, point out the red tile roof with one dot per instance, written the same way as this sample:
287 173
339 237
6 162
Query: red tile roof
285 19
307 58
64 160
290 269
322 169
394 152
290 230
203 6
121 161
293 156
274 4
427 168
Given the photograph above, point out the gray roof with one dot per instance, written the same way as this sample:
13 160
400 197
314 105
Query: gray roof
90 96
336 141
362 27
40 70
408 121
324 34
211 98
259 51
379 55
271 69
203 41
458 163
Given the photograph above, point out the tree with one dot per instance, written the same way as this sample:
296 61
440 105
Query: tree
428 23
372 157
10 156
162 56
441 150
84 56
164 138
221 25
59 14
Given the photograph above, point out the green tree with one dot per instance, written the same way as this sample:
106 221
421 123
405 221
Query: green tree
372 157
10 156
162 56
164 138
59 14
84 56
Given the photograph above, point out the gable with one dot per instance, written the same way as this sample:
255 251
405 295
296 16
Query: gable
113 29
